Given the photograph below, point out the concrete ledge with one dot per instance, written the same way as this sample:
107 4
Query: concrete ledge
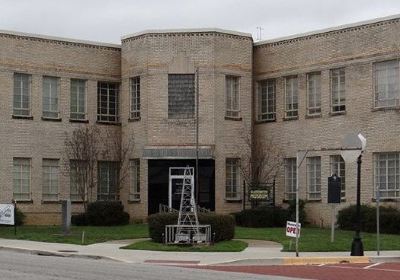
324 260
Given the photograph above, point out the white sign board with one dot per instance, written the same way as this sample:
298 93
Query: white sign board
291 229
7 214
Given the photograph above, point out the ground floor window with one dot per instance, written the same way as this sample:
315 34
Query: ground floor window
134 193
107 181
387 175
22 179
50 179
314 178
290 178
338 167
232 179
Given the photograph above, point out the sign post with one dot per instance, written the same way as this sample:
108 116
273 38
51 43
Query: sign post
334 197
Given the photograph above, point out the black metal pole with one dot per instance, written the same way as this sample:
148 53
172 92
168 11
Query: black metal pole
357 248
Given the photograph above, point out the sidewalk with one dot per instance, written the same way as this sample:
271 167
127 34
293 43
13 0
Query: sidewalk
258 253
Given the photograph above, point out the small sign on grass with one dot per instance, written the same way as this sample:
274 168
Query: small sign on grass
7 214
291 229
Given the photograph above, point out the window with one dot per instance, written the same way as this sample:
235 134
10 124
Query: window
78 100
266 100
22 95
50 179
135 180
135 98
232 179
314 178
387 175
338 167
107 102
181 96
108 178
22 179
290 178
232 96
314 93
50 97
291 97
77 175
387 84
338 92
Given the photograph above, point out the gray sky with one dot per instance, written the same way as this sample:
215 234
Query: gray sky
107 21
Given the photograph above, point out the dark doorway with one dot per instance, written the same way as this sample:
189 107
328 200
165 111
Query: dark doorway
159 183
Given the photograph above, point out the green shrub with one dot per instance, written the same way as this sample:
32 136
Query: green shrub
106 213
222 225
262 217
19 217
389 219
79 219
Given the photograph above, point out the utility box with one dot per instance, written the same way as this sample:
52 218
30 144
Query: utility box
334 189
66 216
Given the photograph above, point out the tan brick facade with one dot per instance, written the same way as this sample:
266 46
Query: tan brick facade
152 55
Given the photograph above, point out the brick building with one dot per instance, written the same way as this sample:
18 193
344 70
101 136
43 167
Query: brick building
300 92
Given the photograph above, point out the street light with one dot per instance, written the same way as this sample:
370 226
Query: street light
355 145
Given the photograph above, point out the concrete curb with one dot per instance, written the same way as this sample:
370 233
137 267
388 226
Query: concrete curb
324 260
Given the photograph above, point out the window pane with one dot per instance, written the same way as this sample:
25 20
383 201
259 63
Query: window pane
232 96
266 99
21 96
107 102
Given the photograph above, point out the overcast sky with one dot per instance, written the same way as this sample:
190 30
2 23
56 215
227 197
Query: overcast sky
108 20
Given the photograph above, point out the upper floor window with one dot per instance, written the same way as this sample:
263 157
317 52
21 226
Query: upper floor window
314 177
22 179
181 96
78 99
338 167
291 97
50 180
232 184
107 102
232 96
290 178
134 193
387 89
50 97
314 93
22 95
387 175
108 180
338 92
266 100
135 98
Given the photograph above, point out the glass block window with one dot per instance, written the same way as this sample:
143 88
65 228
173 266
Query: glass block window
291 97
314 178
22 95
134 193
338 92
77 175
50 170
387 84
107 182
314 93
135 98
338 167
108 102
290 178
232 186
181 96
50 97
266 100
387 175
22 179
78 100
232 96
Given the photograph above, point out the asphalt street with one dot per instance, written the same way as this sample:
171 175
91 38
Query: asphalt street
21 266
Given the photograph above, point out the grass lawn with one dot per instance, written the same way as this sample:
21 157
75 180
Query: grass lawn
318 240
92 234
223 246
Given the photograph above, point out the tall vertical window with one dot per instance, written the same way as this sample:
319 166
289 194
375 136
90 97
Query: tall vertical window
290 178
50 97
314 93
338 167
387 88
181 96
78 100
77 175
50 179
387 175
22 179
108 180
22 95
232 186
291 97
314 177
338 92
134 193
135 98
266 100
232 96
107 102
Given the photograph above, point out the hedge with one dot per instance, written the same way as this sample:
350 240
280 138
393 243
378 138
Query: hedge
102 213
222 225
389 219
